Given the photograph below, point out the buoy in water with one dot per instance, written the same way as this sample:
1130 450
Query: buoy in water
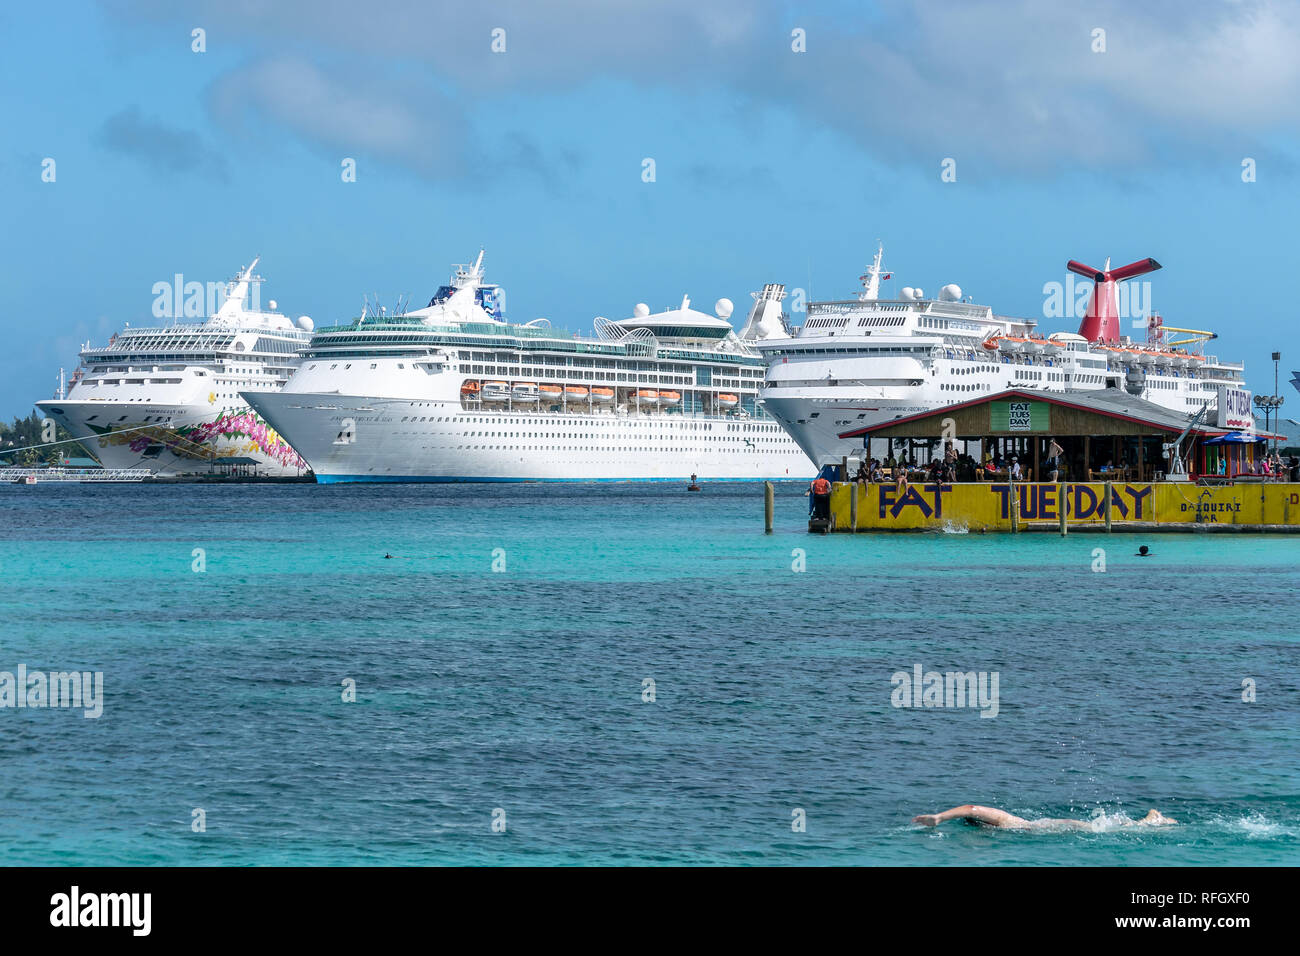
1144 552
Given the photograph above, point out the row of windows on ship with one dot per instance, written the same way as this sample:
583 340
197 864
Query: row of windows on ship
651 428
542 365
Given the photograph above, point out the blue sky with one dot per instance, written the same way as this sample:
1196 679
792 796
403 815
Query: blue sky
770 164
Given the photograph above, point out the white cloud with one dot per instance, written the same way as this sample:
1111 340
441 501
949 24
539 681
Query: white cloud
1012 85
349 110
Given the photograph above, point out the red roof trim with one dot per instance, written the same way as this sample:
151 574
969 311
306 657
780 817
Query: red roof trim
1025 393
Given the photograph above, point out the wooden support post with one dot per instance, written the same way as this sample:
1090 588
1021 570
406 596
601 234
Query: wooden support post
853 507
1106 505
1014 507
1060 506
769 505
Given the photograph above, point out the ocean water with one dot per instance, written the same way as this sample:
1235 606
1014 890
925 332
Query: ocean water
522 689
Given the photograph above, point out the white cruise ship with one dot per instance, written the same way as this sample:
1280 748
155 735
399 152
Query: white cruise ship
857 362
453 392
167 398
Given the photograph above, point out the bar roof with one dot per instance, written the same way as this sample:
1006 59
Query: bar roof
1107 402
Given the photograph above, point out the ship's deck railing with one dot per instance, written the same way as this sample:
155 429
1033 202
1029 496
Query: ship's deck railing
484 335
75 474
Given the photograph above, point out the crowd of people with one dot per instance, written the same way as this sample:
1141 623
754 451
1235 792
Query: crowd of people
953 466
957 466
1270 465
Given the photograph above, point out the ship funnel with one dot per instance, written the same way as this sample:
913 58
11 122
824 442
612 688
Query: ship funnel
1101 322
766 320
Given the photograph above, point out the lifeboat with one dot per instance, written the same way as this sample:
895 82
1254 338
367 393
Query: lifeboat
577 393
470 389
670 398
495 391
727 401
550 393
602 395
524 392
647 396
990 344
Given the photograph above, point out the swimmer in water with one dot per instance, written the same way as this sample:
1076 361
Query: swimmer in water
992 817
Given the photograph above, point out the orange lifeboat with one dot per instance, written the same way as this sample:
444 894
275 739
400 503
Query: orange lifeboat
470 389
727 401
550 393
602 395
576 393
670 398
647 396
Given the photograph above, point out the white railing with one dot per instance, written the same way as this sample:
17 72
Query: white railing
75 474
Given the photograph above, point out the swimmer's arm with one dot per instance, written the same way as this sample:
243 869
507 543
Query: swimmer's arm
976 814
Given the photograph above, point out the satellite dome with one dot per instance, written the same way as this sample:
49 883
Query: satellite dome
724 308
950 293
907 292
272 304
918 294
641 310
305 323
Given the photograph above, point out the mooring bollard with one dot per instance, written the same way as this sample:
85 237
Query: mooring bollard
769 505
1106 506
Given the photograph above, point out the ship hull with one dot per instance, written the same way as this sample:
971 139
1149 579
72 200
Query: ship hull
366 439
175 438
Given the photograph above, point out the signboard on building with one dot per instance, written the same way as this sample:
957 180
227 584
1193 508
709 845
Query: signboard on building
1009 416
1234 409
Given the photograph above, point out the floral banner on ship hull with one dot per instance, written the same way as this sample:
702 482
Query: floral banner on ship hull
240 434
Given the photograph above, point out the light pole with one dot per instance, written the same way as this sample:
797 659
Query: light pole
1271 404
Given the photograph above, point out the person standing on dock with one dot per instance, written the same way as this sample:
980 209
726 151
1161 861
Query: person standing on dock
821 497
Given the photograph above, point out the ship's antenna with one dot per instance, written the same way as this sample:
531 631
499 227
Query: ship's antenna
871 280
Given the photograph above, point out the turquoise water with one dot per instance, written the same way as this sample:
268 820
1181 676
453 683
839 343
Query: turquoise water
522 689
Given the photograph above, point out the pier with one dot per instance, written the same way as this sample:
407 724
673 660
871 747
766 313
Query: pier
1018 507
1061 462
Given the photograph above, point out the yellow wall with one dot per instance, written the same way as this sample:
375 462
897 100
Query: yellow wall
985 505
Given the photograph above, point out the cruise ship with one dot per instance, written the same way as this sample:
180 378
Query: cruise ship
167 398
860 361
455 392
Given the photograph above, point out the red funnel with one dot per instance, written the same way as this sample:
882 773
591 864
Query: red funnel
1101 323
